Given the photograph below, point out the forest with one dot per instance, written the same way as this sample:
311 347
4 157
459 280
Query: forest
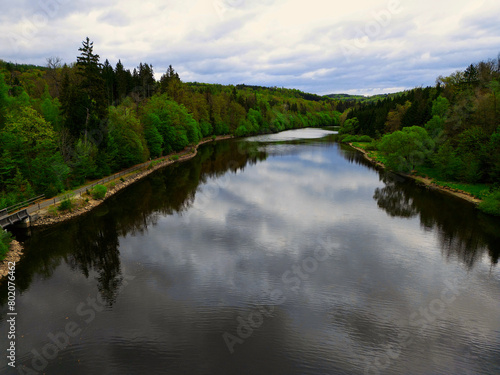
62 125
449 132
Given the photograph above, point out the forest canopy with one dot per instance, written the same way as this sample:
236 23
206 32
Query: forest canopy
61 125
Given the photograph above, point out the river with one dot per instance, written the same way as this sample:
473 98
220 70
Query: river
276 254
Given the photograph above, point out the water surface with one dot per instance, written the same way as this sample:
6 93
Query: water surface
283 254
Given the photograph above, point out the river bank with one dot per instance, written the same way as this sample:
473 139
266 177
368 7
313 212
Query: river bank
425 181
43 218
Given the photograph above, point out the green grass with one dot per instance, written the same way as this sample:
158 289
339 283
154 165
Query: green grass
378 156
479 191
491 204
362 145
346 138
369 148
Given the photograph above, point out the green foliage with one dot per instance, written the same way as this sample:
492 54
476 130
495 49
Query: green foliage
5 240
66 204
435 127
473 150
53 211
57 129
356 138
174 157
406 148
440 107
126 143
99 192
350 126
176 126
493 151
447 162
84 162
491 204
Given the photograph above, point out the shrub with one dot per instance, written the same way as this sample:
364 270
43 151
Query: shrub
175 157
66 204
5 239
52 211
491 204
99 192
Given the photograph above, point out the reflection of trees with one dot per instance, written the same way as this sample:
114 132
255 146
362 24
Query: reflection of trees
462 230
90 242
394 201
96 248
173 189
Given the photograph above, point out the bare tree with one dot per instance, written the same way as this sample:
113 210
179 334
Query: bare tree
54 64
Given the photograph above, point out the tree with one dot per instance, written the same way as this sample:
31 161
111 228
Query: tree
147 80
395 117
108 75
54 66
122 79
472 149
92 86
350 126
4 99
440 107
30 148
406 148
447 162
126 142
152 135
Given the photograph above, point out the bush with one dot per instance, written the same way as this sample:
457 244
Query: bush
5 239
66 204
52 211
99 192
175 157
491 204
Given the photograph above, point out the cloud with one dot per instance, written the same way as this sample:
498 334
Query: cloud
319 46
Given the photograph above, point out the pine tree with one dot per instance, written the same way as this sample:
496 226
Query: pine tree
92 86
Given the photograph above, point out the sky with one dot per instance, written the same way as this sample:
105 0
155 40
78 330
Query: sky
357 47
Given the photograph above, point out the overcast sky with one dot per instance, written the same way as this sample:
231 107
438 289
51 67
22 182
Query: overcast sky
318 46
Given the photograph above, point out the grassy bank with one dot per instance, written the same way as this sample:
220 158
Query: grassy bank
488 200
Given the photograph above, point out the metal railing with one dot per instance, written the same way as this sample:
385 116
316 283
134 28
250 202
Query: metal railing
37 203
18 206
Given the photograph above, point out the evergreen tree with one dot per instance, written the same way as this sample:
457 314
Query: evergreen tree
92 87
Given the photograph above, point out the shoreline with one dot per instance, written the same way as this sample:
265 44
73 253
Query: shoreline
423 181
43 220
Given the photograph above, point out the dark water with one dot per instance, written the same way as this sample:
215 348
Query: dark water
286 257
